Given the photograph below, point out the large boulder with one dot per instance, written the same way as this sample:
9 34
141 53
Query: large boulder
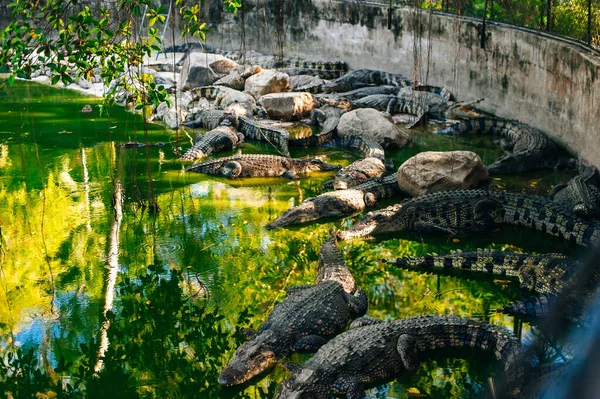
236 78
432 171
287 106
267 81
203 69
372 124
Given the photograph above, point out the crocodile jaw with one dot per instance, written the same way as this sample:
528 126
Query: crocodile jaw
249 360
305 212
382 221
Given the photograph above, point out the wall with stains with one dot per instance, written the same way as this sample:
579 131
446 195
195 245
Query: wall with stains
549 83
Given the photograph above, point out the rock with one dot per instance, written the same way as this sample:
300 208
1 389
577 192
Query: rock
287 106
304 80
432 171
173 118
202 69
236 78
372 124
84 83
265 82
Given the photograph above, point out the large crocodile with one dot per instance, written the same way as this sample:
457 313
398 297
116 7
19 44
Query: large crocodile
224 137
365 77
327 118
356 173
528 148
303 321
340 203
226 98
367 147
548 274
378 351
206 119
275 136
259 165
582 193
449 212
251 129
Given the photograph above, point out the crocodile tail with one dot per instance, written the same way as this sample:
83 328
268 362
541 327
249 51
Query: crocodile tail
369 148
438 332
442 91
209 92
479 125
331 265
534 306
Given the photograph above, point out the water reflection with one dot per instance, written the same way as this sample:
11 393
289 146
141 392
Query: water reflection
165 340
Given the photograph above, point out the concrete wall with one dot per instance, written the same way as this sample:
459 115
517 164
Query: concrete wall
549 83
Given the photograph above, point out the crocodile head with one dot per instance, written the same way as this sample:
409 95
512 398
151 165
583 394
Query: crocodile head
305 384
250 359
377 222
317 165
516 163
333 204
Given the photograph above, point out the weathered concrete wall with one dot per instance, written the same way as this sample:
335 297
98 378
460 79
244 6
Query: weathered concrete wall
549 83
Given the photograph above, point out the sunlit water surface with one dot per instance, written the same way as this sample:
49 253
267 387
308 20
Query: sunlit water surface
161 296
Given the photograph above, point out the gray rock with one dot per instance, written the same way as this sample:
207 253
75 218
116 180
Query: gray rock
84 83
202 69
372 124
265 82
287 106
432 171
236 78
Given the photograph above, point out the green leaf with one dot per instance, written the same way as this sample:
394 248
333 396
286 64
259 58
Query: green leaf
11 80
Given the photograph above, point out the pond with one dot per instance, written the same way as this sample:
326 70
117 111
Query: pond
149 299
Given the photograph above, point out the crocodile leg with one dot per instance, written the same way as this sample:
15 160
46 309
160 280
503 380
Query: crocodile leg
309 343
231 169
291 175
407 348
484 218
358 302
350 387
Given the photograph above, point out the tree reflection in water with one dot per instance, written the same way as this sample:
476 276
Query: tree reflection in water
128 324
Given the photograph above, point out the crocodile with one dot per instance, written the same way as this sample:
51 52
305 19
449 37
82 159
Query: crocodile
331 265
441 91
377 351
529 148
367 147
549 274
582 193
250 128
356 173
206 119
226 98
364 77
224 137
260 165
275 136
546 274
137 144
303 321
339 203
358 93
294 66
328 118
448 212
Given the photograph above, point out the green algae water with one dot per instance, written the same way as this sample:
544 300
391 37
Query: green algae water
121 275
